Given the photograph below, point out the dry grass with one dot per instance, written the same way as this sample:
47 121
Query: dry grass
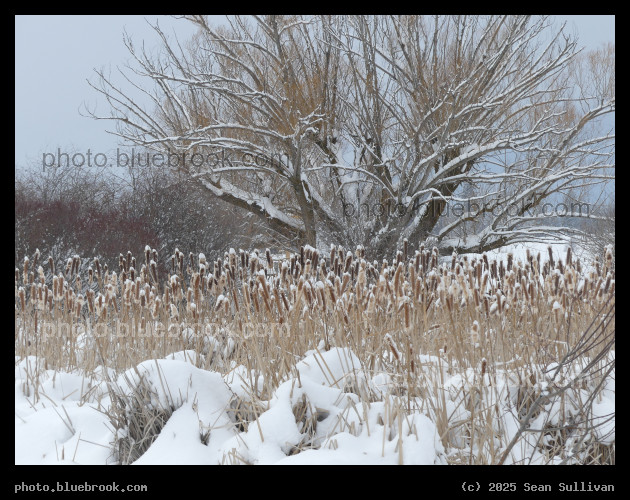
517 331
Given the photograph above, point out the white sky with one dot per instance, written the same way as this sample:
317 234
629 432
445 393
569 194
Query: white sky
55 55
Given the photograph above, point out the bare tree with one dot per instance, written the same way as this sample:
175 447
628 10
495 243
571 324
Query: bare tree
372 129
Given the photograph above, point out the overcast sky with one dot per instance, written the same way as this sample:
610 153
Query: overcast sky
55 55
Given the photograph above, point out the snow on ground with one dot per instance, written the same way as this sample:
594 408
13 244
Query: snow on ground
68 423
519 251
332 413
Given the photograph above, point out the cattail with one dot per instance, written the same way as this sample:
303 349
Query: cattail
247 296
284 269
347 263
331 290
609 256
405 249
22 297
241 254
324 271
307 267
180 262
565 302
97 265
285 301
51 265
485 261
254 299
556 311
174 313
607 286
434 258
484 281
292 265
235 299
597 267
307 294
510 258
493 270
154 273
556 283
60 286
412 273
449 302
269 261
371 307
392 346
89 294
397 279
263 284
569 260
551 261
73 265
474 332
25 273
298 269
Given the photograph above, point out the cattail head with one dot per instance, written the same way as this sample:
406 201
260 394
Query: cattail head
398 278
476 297
607 285
371 307
154 273
89 298
474 332
22 297
432 263
608 256
69 267
347 262
550 252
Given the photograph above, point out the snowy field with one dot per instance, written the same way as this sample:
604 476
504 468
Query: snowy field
330 409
